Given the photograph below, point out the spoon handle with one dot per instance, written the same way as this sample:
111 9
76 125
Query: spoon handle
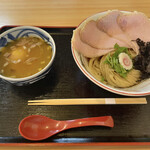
94 121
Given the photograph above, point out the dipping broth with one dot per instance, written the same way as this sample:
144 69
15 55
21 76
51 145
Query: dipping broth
24 57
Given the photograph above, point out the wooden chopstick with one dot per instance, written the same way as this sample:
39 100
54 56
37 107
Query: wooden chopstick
88 101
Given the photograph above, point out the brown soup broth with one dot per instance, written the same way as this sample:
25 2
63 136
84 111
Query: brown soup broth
24 57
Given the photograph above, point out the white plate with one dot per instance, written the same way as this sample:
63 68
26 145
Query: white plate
141 89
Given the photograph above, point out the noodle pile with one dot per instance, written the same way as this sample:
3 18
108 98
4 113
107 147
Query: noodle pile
104 73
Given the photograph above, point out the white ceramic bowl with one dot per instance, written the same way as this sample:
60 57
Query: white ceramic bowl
22 31
141 89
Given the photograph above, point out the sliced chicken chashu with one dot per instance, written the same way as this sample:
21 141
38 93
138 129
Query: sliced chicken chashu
136 25
109 25
96 38
85 49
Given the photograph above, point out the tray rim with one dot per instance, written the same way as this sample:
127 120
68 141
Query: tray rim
79 144
5 26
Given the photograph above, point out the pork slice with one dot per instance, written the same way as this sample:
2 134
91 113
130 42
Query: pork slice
96 38
109 24
136 25
85 49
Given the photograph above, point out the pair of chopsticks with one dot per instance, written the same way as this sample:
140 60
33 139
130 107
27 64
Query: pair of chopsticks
88 101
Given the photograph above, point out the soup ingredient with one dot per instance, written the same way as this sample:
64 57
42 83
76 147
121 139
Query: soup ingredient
122 79
142 61
125 61
136 25
91 35
103 72
85 49
17 54
109 25
114 60
92 65
24 57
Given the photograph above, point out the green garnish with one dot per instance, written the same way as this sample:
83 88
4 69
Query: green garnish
119 50
102 79
113 60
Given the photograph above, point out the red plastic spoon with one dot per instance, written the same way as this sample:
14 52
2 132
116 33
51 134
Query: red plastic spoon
38 127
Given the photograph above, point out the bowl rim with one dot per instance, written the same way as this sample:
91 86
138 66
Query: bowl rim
45 68
98 83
